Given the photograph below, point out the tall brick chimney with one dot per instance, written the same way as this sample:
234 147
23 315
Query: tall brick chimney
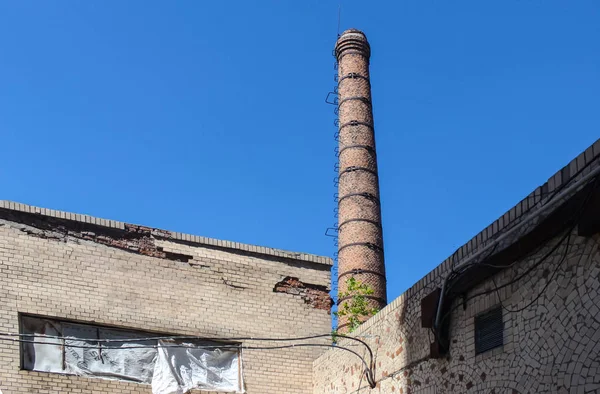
360 250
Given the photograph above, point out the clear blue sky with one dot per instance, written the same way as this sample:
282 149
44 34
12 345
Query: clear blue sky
208 117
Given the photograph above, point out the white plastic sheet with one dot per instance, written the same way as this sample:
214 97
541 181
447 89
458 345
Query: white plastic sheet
170 370
123 360
42 355
180 369
83 354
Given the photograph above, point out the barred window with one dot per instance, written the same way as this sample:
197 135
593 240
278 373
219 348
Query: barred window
489 330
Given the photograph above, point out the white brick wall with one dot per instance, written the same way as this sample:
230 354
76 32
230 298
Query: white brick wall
552 346
218 293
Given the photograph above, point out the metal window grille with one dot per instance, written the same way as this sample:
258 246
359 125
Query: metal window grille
489 330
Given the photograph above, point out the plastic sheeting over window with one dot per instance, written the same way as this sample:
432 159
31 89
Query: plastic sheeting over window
171 367
180 369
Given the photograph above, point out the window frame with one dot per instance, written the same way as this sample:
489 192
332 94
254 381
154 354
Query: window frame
496 324
126 331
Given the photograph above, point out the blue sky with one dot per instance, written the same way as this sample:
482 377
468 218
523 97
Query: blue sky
209 117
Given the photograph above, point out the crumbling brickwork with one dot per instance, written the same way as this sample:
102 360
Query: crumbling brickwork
314 295
152 280
360 250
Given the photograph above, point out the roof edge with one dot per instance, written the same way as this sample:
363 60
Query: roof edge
173 235
571 173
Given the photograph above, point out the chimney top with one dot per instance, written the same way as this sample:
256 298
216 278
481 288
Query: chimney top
352 41
354 31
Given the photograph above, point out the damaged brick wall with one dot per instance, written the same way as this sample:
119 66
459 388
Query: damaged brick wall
314 295
134 238
137 277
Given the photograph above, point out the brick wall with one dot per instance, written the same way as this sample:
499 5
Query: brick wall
75 269
550 346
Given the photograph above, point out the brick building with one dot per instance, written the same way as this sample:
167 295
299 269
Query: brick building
98 306
514 310
520 311
75 275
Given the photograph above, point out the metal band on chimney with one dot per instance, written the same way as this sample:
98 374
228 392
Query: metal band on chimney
359 271
367 147
354 169
356 123
373 222
365 100
353 76
360 244
368 196
380 299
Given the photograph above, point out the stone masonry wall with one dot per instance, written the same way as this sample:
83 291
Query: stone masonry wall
553 346
151 282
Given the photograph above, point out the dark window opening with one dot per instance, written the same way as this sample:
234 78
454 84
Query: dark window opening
489 330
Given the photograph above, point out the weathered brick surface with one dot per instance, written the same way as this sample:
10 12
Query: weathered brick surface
360 252
553 346
164 284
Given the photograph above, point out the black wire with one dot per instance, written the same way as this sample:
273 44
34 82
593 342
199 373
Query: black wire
486 292
519 277
567 237
198 338
564 257
530 269
368 366
454 274
517 260
368 369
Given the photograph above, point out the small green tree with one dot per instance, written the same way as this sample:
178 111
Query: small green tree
356 307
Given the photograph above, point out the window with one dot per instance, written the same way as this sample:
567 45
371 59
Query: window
171 366
489 330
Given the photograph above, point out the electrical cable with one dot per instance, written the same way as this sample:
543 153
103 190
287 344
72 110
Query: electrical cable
567 236
592 176
519 277
482 261
369 367
486 292
562 260
547 255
